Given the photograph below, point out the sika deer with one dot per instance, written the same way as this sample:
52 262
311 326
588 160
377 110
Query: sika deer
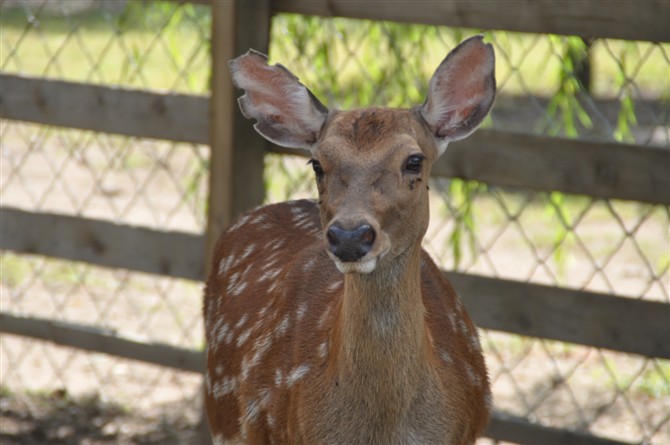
327 323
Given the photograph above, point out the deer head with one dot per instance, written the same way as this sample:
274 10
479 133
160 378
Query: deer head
371 165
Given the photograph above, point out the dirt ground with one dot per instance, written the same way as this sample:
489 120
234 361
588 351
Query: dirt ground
55 418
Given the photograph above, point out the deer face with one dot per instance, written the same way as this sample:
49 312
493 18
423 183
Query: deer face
371 169
371 165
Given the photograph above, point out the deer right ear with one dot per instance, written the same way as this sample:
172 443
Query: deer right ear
461 92
288 114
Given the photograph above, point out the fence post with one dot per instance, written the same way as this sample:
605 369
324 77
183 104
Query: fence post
236 150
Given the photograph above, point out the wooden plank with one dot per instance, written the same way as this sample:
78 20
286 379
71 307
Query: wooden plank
175 117
95 339
252 30
586 318
573 316
237 156
103 243
221 196
518 430
616 19
600 169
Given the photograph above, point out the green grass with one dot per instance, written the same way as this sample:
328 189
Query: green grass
653 381
122 49
14 270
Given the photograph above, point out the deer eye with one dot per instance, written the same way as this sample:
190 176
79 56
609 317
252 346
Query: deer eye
414 163
318 170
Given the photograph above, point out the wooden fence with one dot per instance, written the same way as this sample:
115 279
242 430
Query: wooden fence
599 169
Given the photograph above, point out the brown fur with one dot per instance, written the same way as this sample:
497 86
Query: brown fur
384 353
384 378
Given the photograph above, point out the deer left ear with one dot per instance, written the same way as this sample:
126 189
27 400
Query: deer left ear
461 92
288 114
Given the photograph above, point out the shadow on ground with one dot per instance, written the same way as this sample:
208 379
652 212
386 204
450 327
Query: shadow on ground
57 418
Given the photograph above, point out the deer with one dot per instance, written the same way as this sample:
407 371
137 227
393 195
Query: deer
326 321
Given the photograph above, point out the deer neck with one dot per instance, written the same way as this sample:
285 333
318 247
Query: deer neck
382 337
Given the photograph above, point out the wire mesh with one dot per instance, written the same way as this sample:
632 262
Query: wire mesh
59 394
548 85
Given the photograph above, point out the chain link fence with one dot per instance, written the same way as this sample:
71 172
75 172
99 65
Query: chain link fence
59 394
548 85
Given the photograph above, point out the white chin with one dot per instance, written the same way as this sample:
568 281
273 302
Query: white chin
363 266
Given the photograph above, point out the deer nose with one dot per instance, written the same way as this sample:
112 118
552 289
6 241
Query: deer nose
350 245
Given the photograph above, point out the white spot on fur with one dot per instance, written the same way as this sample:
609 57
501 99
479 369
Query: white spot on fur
475 343
232 282
283 326
247 251
228 385
296 209
270 274
444 355
452 320
258 219
239 223
239 289
323 349
261 347
335 285
308 265
296 374
474 378
301 311
243 337
229 337
251 412
464 327
225 264
242 321
222 332
279 377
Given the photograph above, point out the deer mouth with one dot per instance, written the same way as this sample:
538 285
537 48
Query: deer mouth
362 266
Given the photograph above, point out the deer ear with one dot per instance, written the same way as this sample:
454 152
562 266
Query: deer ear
288 114
461 92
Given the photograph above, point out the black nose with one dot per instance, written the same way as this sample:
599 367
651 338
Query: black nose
350 245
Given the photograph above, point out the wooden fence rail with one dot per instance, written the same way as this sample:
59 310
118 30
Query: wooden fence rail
534 310
599 169
613 19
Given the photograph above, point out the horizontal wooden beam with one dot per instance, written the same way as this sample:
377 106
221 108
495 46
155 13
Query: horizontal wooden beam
103 243
174 117
518 430
616 19
600 169
586 318
93 338
573 316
